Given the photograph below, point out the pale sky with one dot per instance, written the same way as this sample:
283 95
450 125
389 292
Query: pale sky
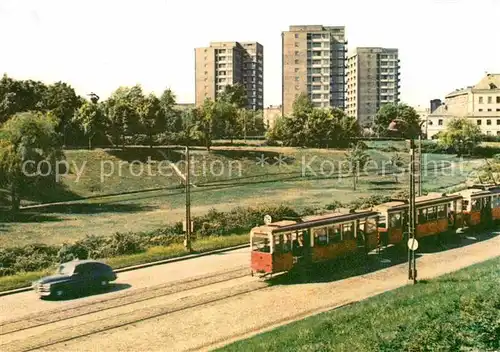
99 45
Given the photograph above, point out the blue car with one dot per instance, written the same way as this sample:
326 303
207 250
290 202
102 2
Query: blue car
75 277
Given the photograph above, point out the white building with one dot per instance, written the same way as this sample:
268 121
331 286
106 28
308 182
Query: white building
479 103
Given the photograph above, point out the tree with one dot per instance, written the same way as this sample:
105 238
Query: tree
235 95
206 119
61 99
390 112
122 111
356 159
396 163
460 134
296 126
27 139
173 120
90 116
152 117
20 96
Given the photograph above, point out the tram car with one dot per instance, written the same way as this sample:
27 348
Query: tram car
280 246
436 213
481 205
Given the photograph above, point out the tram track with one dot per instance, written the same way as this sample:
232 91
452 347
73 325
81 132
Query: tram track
121 300
58 336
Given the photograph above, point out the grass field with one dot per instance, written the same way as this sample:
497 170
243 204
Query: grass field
457 312
224 178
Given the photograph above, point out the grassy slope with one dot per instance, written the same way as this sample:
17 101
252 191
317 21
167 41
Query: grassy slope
444 314
242 182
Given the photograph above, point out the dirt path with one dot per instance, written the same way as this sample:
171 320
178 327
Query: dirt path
215 324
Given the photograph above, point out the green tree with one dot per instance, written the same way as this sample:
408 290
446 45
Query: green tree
295 128
390 112
173 119
356 159
122 112
90 116
63 102
460 134
206 118
152 117
20 96
27 139
235 95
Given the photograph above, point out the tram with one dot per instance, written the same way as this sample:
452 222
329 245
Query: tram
280 246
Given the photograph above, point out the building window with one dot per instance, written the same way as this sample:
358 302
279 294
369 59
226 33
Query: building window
489 110
498 100
296 62
296 44
479 122
440 122
488 122
498 133
296 53
498 122
480 100
296 78
490 100
480 110
296 70
488 133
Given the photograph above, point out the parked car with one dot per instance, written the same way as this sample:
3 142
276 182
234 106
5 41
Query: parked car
75 277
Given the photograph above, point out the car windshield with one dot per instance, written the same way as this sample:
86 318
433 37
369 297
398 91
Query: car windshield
65 269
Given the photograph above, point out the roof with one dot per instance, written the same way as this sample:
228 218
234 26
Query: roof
473 192
430 199
319 217
325 221
84 261
490 81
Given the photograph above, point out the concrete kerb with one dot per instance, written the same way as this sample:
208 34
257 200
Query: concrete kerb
147 265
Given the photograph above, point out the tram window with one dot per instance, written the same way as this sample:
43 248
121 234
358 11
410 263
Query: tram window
465 204
334 235
496 202
347 232
431 213
487 202
320 237
395 220
441 209
261 244
422 216
476 204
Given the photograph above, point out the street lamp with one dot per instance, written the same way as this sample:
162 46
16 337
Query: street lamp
395 126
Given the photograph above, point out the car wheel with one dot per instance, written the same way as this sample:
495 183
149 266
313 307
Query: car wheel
104 283
59 293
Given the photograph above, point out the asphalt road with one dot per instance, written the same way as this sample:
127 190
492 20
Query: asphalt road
21 304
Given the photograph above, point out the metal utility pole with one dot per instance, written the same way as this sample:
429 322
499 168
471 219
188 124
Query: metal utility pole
412 263
420 169
187 240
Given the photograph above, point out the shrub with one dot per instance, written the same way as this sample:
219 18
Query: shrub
70 252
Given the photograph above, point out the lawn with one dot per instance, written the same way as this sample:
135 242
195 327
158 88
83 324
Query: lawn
456 312
224 178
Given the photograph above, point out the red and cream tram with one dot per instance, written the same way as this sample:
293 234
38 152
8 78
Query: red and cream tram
481 205
435 213
279 246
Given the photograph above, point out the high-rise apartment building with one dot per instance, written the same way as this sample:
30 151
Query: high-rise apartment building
229 63
372 81
314 61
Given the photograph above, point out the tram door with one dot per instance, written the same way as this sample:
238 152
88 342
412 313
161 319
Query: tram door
486 213
301 245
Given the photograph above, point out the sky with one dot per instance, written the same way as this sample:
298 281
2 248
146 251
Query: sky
99 45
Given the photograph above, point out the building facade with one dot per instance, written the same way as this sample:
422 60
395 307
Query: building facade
372 81
313 63
479 103
271 113
230 63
